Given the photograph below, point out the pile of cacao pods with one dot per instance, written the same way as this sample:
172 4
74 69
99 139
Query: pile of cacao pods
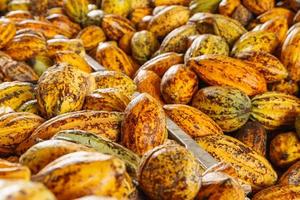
225 71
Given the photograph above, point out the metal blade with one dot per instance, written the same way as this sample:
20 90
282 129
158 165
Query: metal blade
177 134
94 64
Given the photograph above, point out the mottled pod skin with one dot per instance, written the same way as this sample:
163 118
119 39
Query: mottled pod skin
21 189
278 25
169 172
274 109
177 40
168 19
289 57
25 46
179 84
284 149
64 23
267 64
254 135
291 176
7 31
279 192
219 70
149 82
91 36
114 58
260 40
13 171
118 7
77 10
143 45
61 89
228 107
116 26
161 63
73 59
218 185
226 27
106 124
207 44
77 174
43 153
114 79
259 7
109 99
30 106
251 167
16 127
192 121
144 124
15 94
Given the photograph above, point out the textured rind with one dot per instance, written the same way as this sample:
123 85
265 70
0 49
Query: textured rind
17 71
278 25
114 79
179 84
16 127
267 64
254 135
64 23
106 124
109 99
57 45
251 167
25 46
284 149
272 13
260 40
149 82
289 56
61 89
192 121
72 58
279 192
29 106
168 19
91 36
225 71
115 26
7 32
170 172
259 7
217 185
13 171
228 107
144 124
24 190
77 174
161 63
226 27
43 153
46 28
274 109
14 94
291 176
177 40
227 7
77 10
170 2
114 58
207 44
143 45
102 145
